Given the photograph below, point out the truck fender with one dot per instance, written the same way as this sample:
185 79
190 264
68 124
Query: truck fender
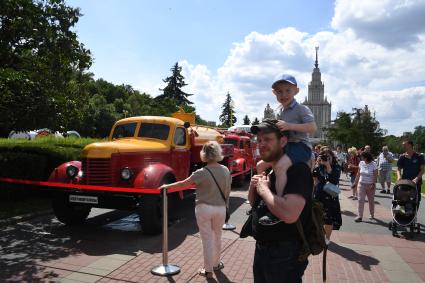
239 163
59 173
152 176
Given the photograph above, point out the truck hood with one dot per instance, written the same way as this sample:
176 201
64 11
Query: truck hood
106 149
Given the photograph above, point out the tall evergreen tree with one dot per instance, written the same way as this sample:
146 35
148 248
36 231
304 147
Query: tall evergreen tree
174 85
256 121
227 116
246 120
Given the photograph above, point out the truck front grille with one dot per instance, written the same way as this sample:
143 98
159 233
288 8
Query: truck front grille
97 171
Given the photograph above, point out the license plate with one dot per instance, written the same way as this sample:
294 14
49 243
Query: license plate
83 199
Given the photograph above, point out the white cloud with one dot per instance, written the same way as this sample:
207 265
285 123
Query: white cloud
391 23
374 55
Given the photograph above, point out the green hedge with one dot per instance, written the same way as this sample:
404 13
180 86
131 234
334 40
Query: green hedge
34 160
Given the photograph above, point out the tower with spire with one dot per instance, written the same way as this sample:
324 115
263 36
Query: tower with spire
317 102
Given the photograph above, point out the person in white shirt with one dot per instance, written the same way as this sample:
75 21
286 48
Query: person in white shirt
385 159
366 182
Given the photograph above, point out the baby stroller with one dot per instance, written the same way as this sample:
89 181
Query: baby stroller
404 207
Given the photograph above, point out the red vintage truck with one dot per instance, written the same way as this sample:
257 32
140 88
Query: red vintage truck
141 152
245 155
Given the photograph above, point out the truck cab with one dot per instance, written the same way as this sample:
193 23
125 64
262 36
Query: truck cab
141 152
244 157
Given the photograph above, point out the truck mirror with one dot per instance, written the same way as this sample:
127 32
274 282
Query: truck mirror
186 125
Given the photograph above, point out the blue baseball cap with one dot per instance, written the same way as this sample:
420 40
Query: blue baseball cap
285 78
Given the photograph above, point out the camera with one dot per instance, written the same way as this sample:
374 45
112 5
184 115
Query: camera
323 157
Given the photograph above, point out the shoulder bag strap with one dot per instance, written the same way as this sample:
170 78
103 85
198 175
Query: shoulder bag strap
218 186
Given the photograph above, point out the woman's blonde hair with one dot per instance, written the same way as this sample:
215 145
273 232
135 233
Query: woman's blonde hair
211 151
352 150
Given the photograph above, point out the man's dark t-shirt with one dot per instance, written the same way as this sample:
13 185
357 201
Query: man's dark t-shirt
411 166
299 182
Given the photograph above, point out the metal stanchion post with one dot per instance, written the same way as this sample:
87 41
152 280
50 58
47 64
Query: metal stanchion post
165 269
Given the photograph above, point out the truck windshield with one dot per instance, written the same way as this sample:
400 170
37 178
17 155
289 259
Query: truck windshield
231 141
154 131
124 130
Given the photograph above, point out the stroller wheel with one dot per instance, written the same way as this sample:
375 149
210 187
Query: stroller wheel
394 229
412 230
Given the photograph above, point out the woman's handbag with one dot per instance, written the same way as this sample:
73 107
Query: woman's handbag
222 195
331 189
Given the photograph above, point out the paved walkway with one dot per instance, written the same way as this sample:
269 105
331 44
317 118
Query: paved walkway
359 252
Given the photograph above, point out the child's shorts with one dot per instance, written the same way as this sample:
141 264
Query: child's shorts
298 152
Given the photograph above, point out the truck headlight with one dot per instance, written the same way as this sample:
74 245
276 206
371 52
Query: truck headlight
126 174
72 171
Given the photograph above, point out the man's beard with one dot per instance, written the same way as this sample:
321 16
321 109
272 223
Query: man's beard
274 155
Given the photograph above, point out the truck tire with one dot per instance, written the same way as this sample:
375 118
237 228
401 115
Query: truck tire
240 179
150 214
150 211
70 214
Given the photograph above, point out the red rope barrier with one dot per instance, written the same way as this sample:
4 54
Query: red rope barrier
154 191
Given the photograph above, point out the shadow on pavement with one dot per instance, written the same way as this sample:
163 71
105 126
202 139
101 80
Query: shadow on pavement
383 196
348 213
365 261
26 248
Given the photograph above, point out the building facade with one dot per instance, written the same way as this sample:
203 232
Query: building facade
269 113
318 103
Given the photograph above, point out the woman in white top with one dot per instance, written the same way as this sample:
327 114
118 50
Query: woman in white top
210 209
366 182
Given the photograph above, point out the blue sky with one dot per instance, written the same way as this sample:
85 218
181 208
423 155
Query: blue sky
370 51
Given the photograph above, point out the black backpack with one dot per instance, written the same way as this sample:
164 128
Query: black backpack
315 242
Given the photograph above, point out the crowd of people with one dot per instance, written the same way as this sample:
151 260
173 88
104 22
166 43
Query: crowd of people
290 177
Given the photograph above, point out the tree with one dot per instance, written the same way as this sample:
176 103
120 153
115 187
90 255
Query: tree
98 118
246 120
41 65
418 138
341 129
357 129
256 121
174 85
393 143
227 116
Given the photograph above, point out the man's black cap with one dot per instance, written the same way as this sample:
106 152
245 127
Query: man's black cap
268 126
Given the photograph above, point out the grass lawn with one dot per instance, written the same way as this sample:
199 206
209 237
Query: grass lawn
18 207
394 179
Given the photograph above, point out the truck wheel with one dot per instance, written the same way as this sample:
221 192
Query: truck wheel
70 214
240 179
150 214
250 174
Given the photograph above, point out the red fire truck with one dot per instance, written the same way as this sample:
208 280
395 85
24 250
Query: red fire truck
244 156
142 152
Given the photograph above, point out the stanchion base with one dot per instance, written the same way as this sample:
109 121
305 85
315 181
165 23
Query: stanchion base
165 270
227 226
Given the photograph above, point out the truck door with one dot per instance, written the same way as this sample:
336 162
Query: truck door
180 154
